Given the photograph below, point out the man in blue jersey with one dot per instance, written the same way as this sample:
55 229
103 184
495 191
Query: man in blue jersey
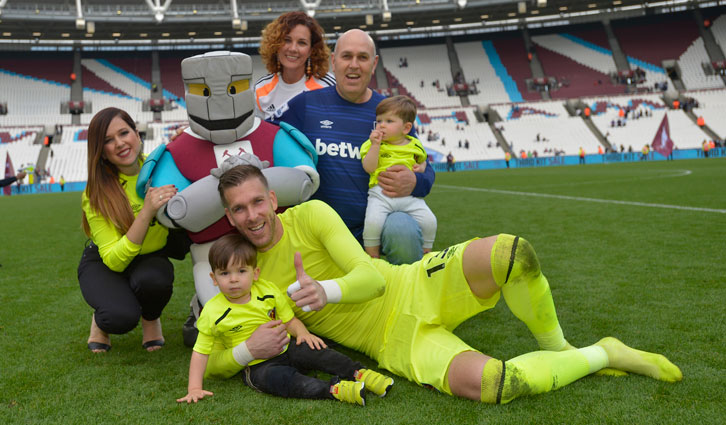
338 120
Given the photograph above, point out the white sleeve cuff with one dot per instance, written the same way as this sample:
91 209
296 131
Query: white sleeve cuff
332 290
241 354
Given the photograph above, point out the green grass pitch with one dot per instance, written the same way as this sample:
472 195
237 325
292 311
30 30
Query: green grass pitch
636 251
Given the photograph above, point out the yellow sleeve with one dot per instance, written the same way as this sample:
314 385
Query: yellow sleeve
221 362
115 249
420 155
205 338
362 281
365 147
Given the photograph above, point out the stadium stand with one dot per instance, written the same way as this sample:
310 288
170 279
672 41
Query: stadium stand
576 78
477 65
711 106
578 56
598 59
639 127
549 109
513 58
454 126
544 127
18 136
691 64
31 100
564 134
21 154
410 77
719 30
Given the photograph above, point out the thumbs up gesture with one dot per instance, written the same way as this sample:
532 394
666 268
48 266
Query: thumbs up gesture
307 293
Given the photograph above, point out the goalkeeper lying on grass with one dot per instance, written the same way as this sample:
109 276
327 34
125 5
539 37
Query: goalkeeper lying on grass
403 316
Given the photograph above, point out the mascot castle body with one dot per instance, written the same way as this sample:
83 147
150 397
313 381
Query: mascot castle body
223 132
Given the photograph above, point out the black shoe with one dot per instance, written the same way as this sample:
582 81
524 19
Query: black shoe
189 330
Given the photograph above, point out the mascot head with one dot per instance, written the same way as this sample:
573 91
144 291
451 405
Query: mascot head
219 100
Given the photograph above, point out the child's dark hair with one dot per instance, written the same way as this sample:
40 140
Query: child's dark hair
400 105
234 248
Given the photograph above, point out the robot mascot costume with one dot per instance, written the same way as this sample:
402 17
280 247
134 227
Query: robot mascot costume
223 132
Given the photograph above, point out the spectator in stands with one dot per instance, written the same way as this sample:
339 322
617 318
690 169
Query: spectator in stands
351 105
16 178
296 56
466 144
450 162
459 143
124 273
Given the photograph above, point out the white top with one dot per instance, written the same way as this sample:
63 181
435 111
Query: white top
272 93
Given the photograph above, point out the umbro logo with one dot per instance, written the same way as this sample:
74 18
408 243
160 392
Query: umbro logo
326 124
270 108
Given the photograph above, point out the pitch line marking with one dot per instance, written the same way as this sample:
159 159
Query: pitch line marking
579 198
677 173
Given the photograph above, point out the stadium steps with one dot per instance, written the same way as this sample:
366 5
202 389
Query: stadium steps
456 67
535 65
706 129
621 61
712 48
501 141
596 132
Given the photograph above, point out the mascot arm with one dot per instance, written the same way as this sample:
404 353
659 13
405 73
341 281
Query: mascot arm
196 207
159 169
291 185
294 177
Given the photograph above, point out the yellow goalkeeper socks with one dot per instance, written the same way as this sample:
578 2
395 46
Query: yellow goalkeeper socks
516 270
538 372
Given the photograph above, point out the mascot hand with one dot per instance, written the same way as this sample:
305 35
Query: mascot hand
177 208
233 161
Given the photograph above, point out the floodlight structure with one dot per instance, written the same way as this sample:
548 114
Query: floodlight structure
461 3
2 3
80 22
386 13
158 9
310 7
237 23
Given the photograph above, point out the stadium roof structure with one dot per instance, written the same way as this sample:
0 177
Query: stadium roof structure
25 23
